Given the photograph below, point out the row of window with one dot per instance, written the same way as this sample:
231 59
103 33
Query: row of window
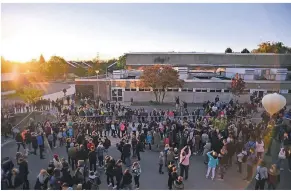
197 90
176 90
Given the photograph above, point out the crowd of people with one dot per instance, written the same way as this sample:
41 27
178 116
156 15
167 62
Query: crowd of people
219 132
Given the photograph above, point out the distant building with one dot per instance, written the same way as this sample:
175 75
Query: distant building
205 75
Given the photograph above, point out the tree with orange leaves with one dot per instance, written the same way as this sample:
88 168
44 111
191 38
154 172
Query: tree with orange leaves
159 78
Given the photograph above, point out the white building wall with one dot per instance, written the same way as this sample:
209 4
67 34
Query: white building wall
184 96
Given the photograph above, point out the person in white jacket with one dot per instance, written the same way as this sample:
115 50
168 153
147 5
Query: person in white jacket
281 158
57 162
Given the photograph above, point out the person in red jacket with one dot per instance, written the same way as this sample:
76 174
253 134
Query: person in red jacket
90 144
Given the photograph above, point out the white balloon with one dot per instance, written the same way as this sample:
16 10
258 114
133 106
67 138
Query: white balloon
273 103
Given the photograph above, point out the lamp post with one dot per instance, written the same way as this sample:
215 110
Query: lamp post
97 72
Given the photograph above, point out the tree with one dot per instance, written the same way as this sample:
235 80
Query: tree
30 95
159 78
237 85
228 50
121 62
56 66
80 71
41 59
272 47
245 51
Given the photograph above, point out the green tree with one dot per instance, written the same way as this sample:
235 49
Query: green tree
245 51
80 71
121 62
272 47
30 95
56 66
160 78
228 50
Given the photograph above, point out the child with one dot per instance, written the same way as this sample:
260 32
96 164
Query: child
149 140
212 163
136 171
161 162
241 158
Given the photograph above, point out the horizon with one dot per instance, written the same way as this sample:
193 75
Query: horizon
82 31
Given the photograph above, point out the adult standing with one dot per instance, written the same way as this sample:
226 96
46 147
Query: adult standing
92 159
261 176
40 143
23 171
19 141
184 161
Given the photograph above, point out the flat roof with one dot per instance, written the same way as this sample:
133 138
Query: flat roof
210 53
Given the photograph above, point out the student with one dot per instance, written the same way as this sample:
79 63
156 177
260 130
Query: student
136 171
212 163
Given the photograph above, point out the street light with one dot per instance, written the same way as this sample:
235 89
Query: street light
97 72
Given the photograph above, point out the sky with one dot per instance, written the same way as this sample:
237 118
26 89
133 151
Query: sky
81 31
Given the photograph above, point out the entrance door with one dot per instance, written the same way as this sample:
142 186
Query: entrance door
117 94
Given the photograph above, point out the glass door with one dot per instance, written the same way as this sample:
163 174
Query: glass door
117 94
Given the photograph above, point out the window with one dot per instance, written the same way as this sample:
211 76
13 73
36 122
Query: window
147 90
117 94
133 89
226 91
114 93
141 90
127 90
198 90
169 89
204 90
289 91
190 90
212 91
218 90
175 90
184 89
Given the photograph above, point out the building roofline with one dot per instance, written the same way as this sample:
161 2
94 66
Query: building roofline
205 53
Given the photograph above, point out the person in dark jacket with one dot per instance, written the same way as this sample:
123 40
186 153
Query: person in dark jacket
126 151
28 139
82 154
7 166
72 155
42 180
126 180
109 169
16 180
118 174
92 159
19 141
107 143
34 142
23 172
40 143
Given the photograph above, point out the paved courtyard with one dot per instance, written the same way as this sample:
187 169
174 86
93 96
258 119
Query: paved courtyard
150 178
